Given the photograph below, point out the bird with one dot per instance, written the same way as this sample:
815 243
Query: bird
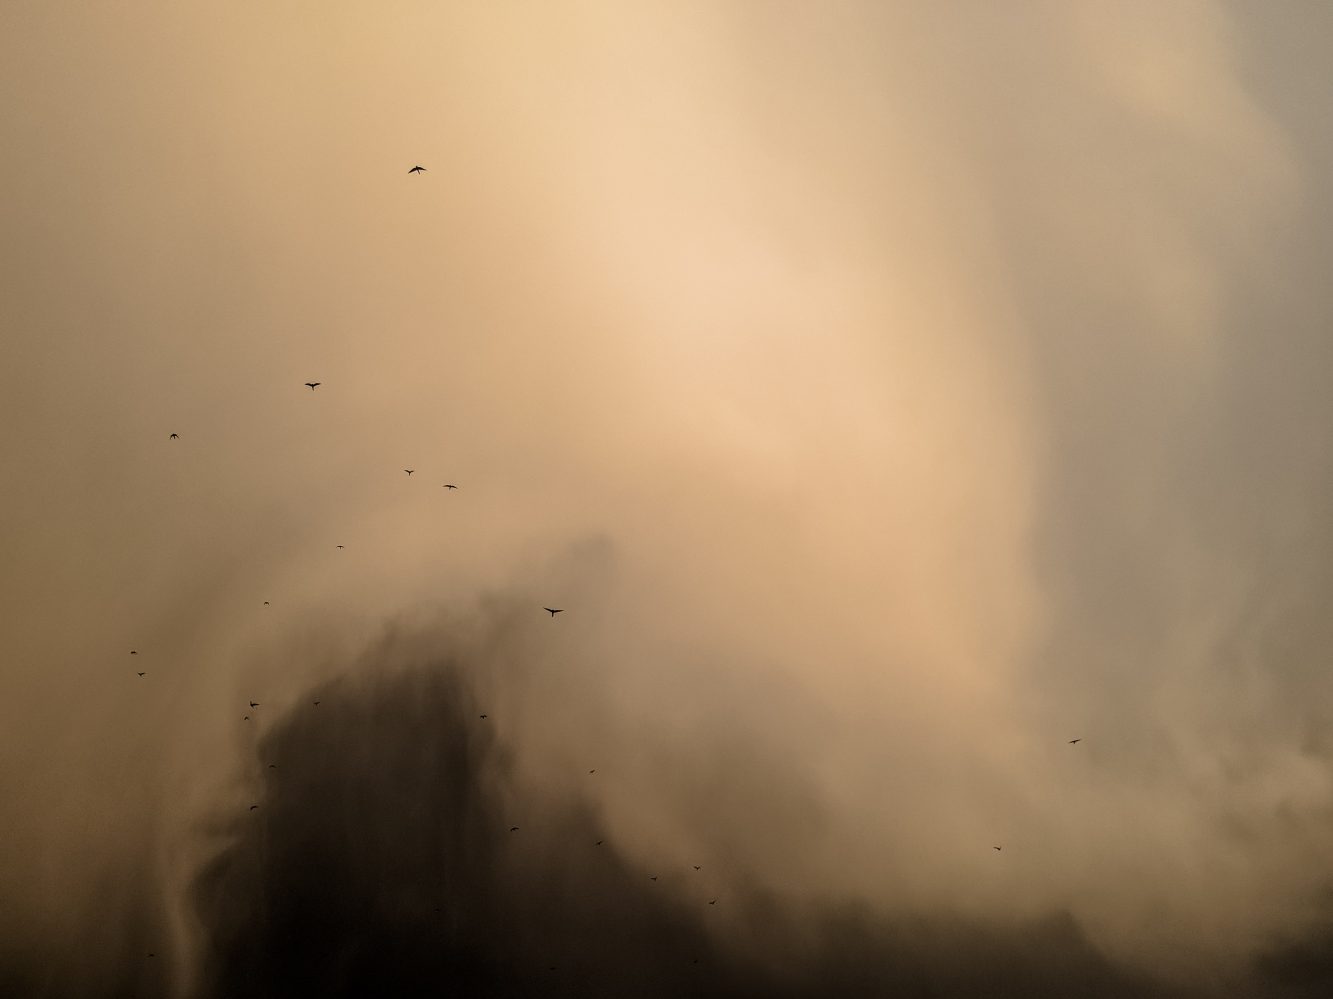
653 878
483 717
697 867
409 471
133 653
592 771
513 828
1072 741
253 807
314 385
265 603
553 611
712 901
449 485
174 437
996 849
254 704
599 842
246 718
339 547
151 954
141 674
317 704
273 766
417 169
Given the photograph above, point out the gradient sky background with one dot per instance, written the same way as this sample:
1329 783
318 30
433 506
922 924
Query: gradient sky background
890 392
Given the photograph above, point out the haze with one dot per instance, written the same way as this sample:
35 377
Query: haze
888 394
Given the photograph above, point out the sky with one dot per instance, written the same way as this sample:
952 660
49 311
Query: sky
888 393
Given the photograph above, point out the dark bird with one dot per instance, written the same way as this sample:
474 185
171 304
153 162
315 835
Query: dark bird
152 954
253 807
483 716
600 842
1072 741
339 547
246 718
265 603
254 704
141 674
133 653
995 848
653 878
273 766
712 901
417 169
314 385
174 437
553 611
449 486
317 704
513 828
409 471
697 867
592 771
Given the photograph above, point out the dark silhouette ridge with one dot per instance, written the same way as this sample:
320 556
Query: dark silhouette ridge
384 866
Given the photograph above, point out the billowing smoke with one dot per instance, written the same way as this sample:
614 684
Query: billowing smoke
888 394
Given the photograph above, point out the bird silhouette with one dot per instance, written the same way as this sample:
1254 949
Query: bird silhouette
1072 741
653 878
246 718
133 653
448 485
317 704
314 385
483 716
592 771
697 867
339 547
417 169
254 704
141 674
996 849
409 471
265 603
273 766
712 901
553 611
174 437
513 828
600 842
253 807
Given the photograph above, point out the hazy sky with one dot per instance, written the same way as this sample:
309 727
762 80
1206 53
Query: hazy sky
890 392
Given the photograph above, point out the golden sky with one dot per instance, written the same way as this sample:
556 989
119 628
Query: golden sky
890 392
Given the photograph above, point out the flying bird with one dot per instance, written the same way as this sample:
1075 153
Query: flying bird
599 842
174 437
653 878
265 603
449 485
339 547
1072 741
141 674
253 807
133 653
712 901
697 867
417 169
254 704
314 385
553 611
513 828
409 471
483 716
592 771
273 766
317 704
996 849
246 718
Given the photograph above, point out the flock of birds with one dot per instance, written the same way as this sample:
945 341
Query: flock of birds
553 611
